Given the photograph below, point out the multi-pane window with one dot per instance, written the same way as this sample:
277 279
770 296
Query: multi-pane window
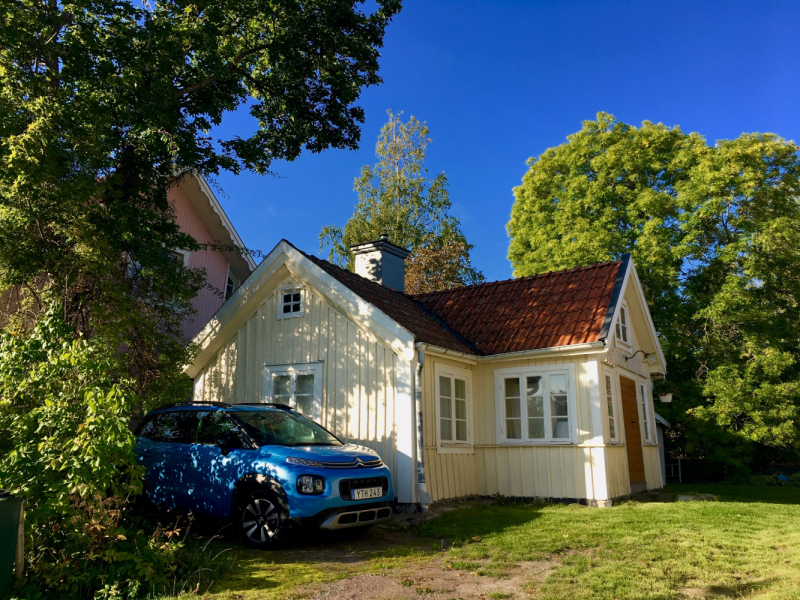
612 418
290 303
298 386
536 407
452 409
622 325
645 411
452 404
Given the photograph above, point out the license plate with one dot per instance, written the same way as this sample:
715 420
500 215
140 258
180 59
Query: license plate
367 493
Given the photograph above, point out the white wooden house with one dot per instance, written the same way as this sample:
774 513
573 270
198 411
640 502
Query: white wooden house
538 387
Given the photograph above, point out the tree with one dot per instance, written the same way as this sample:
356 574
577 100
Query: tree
397 198
713 231
104 106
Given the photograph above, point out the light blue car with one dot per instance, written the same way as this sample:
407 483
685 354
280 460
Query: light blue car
265 466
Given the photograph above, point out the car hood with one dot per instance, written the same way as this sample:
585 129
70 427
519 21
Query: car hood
345 454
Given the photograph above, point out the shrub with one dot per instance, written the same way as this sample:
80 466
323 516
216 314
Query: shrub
67 450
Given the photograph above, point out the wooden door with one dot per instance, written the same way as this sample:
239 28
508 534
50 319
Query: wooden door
633 435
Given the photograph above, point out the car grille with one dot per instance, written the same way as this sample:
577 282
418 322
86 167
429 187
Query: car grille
347 485
356 463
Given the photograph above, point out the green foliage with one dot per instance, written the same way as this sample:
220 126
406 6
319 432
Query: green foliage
396 197
66 448
714 232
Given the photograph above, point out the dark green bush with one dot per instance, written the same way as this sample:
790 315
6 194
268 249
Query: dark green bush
67 449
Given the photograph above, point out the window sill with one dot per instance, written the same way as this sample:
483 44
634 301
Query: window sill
291 316
454 449
512 443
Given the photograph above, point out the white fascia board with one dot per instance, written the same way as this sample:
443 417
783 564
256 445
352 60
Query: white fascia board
572 350
620 299
651 327
226 222
354 306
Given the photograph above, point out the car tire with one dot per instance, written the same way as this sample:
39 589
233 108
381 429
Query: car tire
261 520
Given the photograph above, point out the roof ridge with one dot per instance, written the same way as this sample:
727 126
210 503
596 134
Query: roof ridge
516 279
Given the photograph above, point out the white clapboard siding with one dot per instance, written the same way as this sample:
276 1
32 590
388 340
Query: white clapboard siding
358 370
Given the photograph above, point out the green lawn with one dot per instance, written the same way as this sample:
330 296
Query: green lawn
746 544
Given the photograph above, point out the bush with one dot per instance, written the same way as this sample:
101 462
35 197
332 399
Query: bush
67 450
776 479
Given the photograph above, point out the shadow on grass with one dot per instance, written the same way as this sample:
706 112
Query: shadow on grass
768 494
307 557
739 590
480 520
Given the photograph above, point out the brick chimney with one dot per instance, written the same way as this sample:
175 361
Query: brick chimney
383 262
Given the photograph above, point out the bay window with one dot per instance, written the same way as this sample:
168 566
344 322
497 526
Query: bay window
535 405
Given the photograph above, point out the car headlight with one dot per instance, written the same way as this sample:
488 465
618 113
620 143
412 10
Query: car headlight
303 462
309 484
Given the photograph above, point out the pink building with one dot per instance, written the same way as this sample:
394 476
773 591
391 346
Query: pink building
199 213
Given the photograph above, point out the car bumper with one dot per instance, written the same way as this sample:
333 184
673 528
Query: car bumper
345 517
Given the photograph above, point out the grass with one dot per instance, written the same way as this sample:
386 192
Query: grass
745 544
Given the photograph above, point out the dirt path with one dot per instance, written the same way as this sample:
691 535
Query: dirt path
435 580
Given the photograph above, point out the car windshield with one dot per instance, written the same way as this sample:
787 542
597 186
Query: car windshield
280 428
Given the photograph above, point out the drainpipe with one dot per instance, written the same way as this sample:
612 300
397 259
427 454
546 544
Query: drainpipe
424 499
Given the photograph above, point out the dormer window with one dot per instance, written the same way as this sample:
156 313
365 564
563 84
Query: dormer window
291 304
622 325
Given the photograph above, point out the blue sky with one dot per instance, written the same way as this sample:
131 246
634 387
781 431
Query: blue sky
499 82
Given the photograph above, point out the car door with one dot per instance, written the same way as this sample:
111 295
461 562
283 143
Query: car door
167 456
216 471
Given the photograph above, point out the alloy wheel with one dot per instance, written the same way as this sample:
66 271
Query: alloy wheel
260 520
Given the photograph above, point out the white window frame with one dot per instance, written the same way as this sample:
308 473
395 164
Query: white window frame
184 254
626 323
544 371
295 369
228 276
645 408
615 404
291 315
452 446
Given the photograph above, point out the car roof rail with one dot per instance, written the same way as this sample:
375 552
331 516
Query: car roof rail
270 404
196 402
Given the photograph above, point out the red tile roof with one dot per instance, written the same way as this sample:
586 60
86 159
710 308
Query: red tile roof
424 326
553 309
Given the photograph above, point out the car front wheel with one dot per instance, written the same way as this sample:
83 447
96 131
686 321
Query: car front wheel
260 520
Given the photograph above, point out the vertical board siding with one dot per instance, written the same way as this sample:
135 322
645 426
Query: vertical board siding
517 471
358 370
652 467
446 475
208 299
617 471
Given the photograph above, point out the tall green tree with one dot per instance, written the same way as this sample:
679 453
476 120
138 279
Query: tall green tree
104 105
713 231
397 197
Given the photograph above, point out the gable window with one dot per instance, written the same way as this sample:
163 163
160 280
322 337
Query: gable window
453 406
296 385
230 286
290 303
644 399
535 405
613 432
622 324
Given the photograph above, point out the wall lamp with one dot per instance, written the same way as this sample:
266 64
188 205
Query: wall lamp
649 357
